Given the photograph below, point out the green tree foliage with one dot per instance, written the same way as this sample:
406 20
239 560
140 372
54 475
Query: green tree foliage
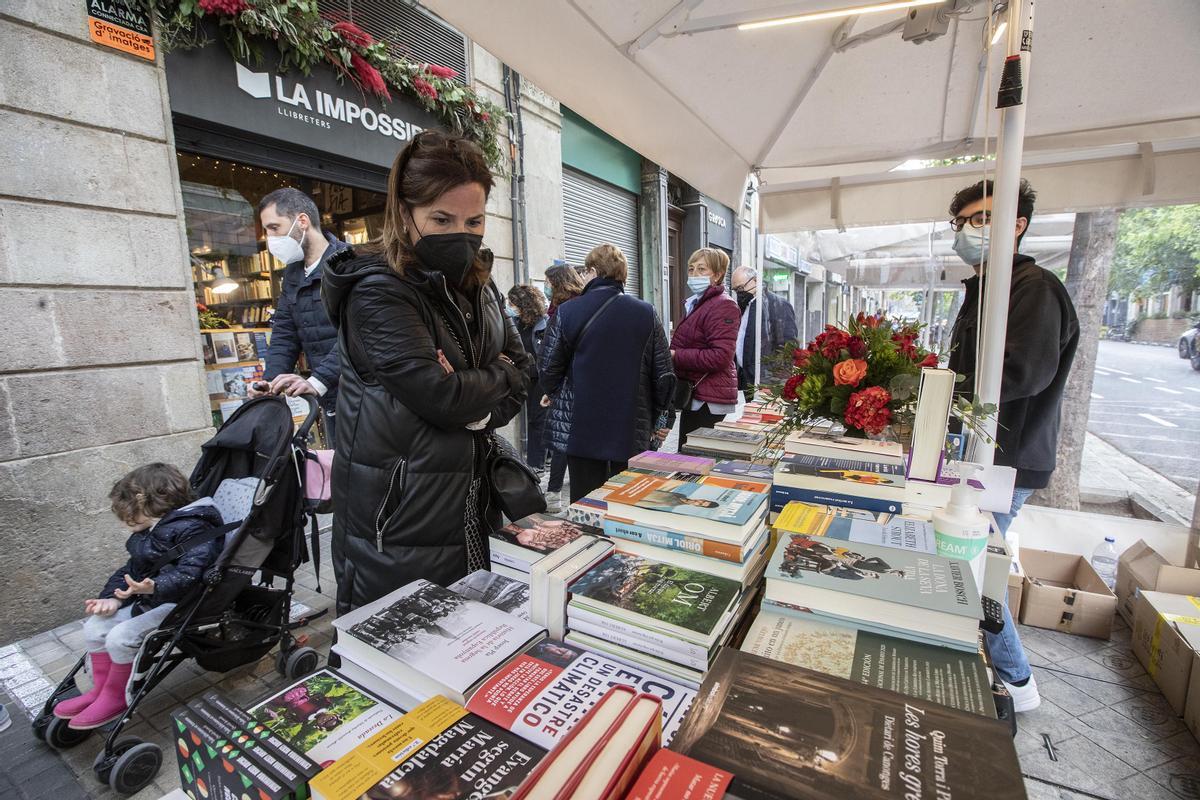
1157 248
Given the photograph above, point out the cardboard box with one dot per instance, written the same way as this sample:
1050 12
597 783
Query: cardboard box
1191 712
1016 588
1166 637
1142 568
1063 593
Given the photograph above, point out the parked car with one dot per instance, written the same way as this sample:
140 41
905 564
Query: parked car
1189 344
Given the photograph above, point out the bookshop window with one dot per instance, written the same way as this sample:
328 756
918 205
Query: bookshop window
233 274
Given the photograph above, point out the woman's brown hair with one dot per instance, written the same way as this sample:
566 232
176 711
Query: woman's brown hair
716 259
565 283
153 490
529 302
430 165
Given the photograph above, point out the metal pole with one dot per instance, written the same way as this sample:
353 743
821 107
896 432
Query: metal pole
998 269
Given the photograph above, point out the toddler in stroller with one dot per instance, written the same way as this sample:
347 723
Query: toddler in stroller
157 504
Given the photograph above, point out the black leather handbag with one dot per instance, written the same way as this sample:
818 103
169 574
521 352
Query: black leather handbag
513 485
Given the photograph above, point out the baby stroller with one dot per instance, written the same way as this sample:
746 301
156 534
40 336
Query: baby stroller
254 469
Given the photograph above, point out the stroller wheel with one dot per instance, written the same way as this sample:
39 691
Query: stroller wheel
104 763
62 737
298 662
135 768
39 726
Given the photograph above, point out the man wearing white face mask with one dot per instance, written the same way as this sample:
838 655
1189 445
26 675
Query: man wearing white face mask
1039 347
292 224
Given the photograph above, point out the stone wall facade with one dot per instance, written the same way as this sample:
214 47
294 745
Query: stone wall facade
101 369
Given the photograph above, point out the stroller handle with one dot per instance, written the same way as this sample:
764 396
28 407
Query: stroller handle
310 420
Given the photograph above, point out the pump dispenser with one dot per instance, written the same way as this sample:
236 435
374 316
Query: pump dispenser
960 530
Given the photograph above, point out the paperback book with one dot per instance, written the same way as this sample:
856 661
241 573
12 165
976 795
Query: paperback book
809 475
787 732
805 442
864 527
617 526
502 593
717 507
727 441
659 461
782 495
938 674
523 543
542 693
745 470
746 572
433 640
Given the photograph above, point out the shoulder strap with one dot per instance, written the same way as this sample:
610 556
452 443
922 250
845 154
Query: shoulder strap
595 315
193 541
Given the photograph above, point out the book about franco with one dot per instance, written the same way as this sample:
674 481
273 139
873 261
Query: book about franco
432 640
542 693
523 543
437 750
324 716
786 732
717 508
856 525
862 584
938 674
639 593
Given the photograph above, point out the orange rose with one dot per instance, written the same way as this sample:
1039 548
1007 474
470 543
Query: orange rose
849 372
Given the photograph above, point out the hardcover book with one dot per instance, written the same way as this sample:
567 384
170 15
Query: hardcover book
671 776
435 750
694 606
505 594
725 508
542 693
864 527
433 640
832 466
800 442
938 674
324 716
224 347
844 481
722 440
523 543
746 470
787 732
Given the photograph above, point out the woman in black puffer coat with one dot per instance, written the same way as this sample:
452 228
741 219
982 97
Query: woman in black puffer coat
431 365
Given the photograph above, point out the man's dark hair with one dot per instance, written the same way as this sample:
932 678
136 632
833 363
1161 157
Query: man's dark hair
291 203
1026 197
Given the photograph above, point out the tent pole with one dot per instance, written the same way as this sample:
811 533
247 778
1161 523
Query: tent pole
998 275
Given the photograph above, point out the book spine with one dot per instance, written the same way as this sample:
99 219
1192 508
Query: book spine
782 495
500 557
239 716
614 632
234 734
671 540
272 786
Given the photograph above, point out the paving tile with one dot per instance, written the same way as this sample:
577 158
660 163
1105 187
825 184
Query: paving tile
1086 667
1037 790
1184 744
1062 694
1081 764
1105 691
1049 718
1142 787
1136 747
1182 777
1119 660
1152 712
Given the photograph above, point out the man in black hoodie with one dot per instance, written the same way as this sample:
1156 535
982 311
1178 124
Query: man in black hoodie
1039 347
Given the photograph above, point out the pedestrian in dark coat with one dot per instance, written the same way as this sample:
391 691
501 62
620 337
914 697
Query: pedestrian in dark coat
618 370
563 284
702 345
300 324
431 366
530 304
778 327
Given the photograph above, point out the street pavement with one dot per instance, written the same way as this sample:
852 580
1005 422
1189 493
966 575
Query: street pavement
1146 403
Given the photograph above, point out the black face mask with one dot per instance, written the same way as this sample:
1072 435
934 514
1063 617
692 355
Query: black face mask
743 298
452 254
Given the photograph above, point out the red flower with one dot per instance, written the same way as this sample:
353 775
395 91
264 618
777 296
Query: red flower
904 344
868 411
930 360
223 7
793 383
353 34
800 357
440 72
424 88
857 347
486 117
871 321
369 78
831 343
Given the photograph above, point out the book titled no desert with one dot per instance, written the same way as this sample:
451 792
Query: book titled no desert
940 674
718 506
432 640
786 732
691 605
542 693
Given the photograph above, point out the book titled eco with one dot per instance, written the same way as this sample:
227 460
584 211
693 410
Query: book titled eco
324 716
717 507
693 606
850 525
498 591
433 640
855 580
939 674
523 543
786 732
542 693
435 750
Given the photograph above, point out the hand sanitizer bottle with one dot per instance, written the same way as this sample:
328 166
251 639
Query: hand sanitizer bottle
960 530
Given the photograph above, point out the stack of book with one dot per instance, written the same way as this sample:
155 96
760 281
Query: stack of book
519 546
849 473
724 443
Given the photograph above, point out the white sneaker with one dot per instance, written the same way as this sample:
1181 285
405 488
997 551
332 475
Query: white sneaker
554 503
1025 698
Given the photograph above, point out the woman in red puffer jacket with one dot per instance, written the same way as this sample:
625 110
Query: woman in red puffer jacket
703 344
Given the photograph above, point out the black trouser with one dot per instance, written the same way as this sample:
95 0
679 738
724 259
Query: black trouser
700 418
589 474
558 470
535 421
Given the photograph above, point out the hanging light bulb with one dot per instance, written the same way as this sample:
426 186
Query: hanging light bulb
221 283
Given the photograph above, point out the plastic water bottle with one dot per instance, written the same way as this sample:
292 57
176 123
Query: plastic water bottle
1104 561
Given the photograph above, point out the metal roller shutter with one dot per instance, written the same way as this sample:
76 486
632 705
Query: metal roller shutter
596 213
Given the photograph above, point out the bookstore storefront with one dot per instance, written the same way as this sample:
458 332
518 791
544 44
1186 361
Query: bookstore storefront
241 133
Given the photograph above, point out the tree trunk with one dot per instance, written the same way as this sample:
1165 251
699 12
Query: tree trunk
1092 247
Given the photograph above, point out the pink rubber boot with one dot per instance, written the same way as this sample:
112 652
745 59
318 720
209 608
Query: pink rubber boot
111 702
67 709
